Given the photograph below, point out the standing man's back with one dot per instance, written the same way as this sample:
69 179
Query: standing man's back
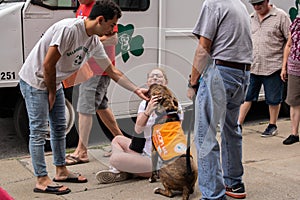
223 29
226 23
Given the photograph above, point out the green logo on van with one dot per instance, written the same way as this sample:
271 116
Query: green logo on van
129 43
294 11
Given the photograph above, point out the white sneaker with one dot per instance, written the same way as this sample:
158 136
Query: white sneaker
111 175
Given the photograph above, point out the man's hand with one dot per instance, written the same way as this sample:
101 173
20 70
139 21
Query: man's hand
142 93
49 64
51 100
283 74
191 93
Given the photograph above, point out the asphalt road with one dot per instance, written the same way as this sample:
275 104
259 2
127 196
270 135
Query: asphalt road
12 146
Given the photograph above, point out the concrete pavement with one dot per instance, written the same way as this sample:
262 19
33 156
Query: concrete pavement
271 172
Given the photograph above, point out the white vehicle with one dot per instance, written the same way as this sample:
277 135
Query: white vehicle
151 33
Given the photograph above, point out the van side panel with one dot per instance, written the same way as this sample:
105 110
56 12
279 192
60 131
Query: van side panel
37 20
11 45
135 65
177 43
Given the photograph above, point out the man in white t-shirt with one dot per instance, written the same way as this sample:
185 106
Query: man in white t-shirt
62 50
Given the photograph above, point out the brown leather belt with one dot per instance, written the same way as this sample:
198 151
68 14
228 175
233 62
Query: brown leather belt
241 66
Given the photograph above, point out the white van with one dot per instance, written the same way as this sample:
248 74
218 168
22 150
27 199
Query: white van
151 33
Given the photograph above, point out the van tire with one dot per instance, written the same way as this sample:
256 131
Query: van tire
20 120
21 123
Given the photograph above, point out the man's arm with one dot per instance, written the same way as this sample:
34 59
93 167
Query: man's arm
121 79
49 64
201 57
286 53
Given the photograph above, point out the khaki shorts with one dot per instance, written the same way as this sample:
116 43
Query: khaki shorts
92 95
293 90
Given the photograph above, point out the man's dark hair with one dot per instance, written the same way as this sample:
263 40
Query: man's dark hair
106 8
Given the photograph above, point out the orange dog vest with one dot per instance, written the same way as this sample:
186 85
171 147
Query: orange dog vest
169 140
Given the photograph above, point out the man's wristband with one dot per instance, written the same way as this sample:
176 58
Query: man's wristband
193 86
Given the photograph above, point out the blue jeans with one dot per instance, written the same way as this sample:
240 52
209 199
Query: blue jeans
221 92
39 120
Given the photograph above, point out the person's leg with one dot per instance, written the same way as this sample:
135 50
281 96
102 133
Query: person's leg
127 160
250 96
293 100
38 113
85 122
85 108
57 122
273 86
236 84
210 107
109 120
274 113
104 113
295 119
244 109
102 109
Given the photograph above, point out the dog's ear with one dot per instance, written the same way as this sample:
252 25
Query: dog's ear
175 101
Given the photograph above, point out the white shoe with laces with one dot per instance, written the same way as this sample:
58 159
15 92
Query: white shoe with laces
111 175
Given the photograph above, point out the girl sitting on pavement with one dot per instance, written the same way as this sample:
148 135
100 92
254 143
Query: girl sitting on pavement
124 161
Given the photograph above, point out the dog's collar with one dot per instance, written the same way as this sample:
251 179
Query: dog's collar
166 116
169 114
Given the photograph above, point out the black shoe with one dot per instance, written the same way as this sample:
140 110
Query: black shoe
291 139
237 191
270 131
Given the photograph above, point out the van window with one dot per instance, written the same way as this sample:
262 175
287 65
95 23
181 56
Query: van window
133 5
56 4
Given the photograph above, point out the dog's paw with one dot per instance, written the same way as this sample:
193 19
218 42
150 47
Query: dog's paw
156 190
152 180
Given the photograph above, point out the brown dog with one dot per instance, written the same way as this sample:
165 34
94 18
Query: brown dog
178 171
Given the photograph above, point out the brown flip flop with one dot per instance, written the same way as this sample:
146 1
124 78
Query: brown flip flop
74 160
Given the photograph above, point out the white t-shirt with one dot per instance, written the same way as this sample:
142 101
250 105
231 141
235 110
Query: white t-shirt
150 122
74 45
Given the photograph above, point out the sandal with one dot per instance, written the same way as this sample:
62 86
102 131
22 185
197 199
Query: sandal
72 178
74 160
107 154
53 190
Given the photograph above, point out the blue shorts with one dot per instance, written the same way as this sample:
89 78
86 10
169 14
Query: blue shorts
273 87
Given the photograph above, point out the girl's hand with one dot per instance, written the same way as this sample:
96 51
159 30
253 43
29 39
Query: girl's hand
152 105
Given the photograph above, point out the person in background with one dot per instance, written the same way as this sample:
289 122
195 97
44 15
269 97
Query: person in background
125 161
220 75
269 26
291 72
92 95
62 50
